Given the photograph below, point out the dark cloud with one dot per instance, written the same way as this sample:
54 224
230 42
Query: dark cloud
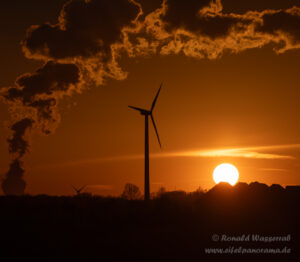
149 6
217 26
184 14
203 17
241 7
51 78
207 24
85 29
282 22
202 29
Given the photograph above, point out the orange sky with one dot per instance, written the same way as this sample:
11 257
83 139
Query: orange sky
246 101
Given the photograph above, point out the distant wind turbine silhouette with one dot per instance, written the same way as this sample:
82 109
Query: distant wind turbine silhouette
79 190
148 113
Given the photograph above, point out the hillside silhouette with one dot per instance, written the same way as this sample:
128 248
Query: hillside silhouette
173 226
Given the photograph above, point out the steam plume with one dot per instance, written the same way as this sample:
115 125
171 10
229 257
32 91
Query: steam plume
33 103
13 183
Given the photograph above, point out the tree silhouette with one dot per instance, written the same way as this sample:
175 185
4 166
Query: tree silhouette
161 191
131 192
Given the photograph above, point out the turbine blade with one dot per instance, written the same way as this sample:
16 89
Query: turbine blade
137 108
154 101
80 189
155 130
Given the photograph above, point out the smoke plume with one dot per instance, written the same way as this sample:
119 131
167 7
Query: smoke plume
13 183
33 103
84 46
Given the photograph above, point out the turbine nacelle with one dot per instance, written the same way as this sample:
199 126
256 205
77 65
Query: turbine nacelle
146 112
143 112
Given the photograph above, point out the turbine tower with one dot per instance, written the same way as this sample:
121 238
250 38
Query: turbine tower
148 113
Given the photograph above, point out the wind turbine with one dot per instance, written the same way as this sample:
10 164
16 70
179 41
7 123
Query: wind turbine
148 113
79 190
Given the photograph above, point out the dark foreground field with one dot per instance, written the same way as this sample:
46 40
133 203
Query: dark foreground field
173 227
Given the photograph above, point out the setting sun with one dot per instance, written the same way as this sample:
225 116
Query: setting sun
226 173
